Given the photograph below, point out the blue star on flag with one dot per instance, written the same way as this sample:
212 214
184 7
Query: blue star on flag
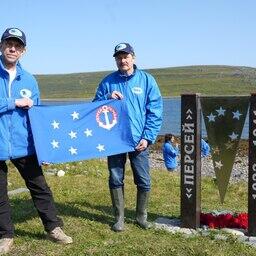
55 125
75 115
100 147
88 132
55 144
72 135
73 151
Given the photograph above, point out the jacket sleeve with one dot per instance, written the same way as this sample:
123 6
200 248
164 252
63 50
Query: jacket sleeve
36 94
154 111
170 150
102 92
6 104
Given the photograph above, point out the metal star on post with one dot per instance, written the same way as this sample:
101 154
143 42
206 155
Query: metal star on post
211 118
221 111
236 115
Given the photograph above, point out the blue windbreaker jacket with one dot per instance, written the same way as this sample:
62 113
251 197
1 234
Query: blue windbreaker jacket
15 133
170 154
143 99
205 148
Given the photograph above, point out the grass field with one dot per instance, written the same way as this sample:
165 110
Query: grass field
207 80
83 200
82 195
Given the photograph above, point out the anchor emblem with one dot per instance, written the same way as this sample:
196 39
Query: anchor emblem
106 112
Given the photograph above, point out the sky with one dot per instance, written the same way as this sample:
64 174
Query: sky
65 36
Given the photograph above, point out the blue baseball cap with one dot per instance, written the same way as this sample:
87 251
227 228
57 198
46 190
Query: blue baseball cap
123 47
14 33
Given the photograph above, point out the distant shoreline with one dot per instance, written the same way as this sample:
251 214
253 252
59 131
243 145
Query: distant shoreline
82 99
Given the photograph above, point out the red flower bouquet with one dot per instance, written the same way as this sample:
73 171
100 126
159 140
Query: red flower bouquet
225 220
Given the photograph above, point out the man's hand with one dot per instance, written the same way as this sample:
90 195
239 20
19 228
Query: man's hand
24 102
143 144
117 95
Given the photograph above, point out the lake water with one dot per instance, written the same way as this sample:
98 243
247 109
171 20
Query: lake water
171 116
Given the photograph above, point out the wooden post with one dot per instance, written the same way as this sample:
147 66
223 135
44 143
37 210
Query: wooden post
190 160
252 168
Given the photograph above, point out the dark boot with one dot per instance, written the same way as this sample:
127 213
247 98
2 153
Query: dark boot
141 209
117 197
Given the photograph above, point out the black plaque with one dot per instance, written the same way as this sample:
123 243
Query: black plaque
190 161
252 168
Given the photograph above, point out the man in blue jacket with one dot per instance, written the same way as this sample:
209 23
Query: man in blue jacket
144 103
18 92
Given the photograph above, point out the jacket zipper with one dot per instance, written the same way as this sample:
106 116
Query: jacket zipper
9 121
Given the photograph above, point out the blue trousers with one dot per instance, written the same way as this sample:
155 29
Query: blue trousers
140 168
41 194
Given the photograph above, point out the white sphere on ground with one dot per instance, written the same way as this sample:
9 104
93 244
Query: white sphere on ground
60 173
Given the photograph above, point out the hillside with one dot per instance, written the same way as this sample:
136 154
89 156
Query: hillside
208 80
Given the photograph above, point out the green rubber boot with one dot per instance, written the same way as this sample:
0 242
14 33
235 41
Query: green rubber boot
117 197
141 209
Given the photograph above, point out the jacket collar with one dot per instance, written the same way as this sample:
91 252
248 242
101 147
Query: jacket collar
128 76
18 67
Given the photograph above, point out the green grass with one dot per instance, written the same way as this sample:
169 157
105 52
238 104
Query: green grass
207 80
83 201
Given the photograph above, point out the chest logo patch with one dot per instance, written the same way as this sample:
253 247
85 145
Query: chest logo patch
25 93
137 90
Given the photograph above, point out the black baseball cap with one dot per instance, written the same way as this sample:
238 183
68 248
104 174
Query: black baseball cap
14 33
123 47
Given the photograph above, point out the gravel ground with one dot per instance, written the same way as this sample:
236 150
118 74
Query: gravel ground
239 172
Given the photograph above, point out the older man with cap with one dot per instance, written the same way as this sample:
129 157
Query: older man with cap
18 92
144 103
